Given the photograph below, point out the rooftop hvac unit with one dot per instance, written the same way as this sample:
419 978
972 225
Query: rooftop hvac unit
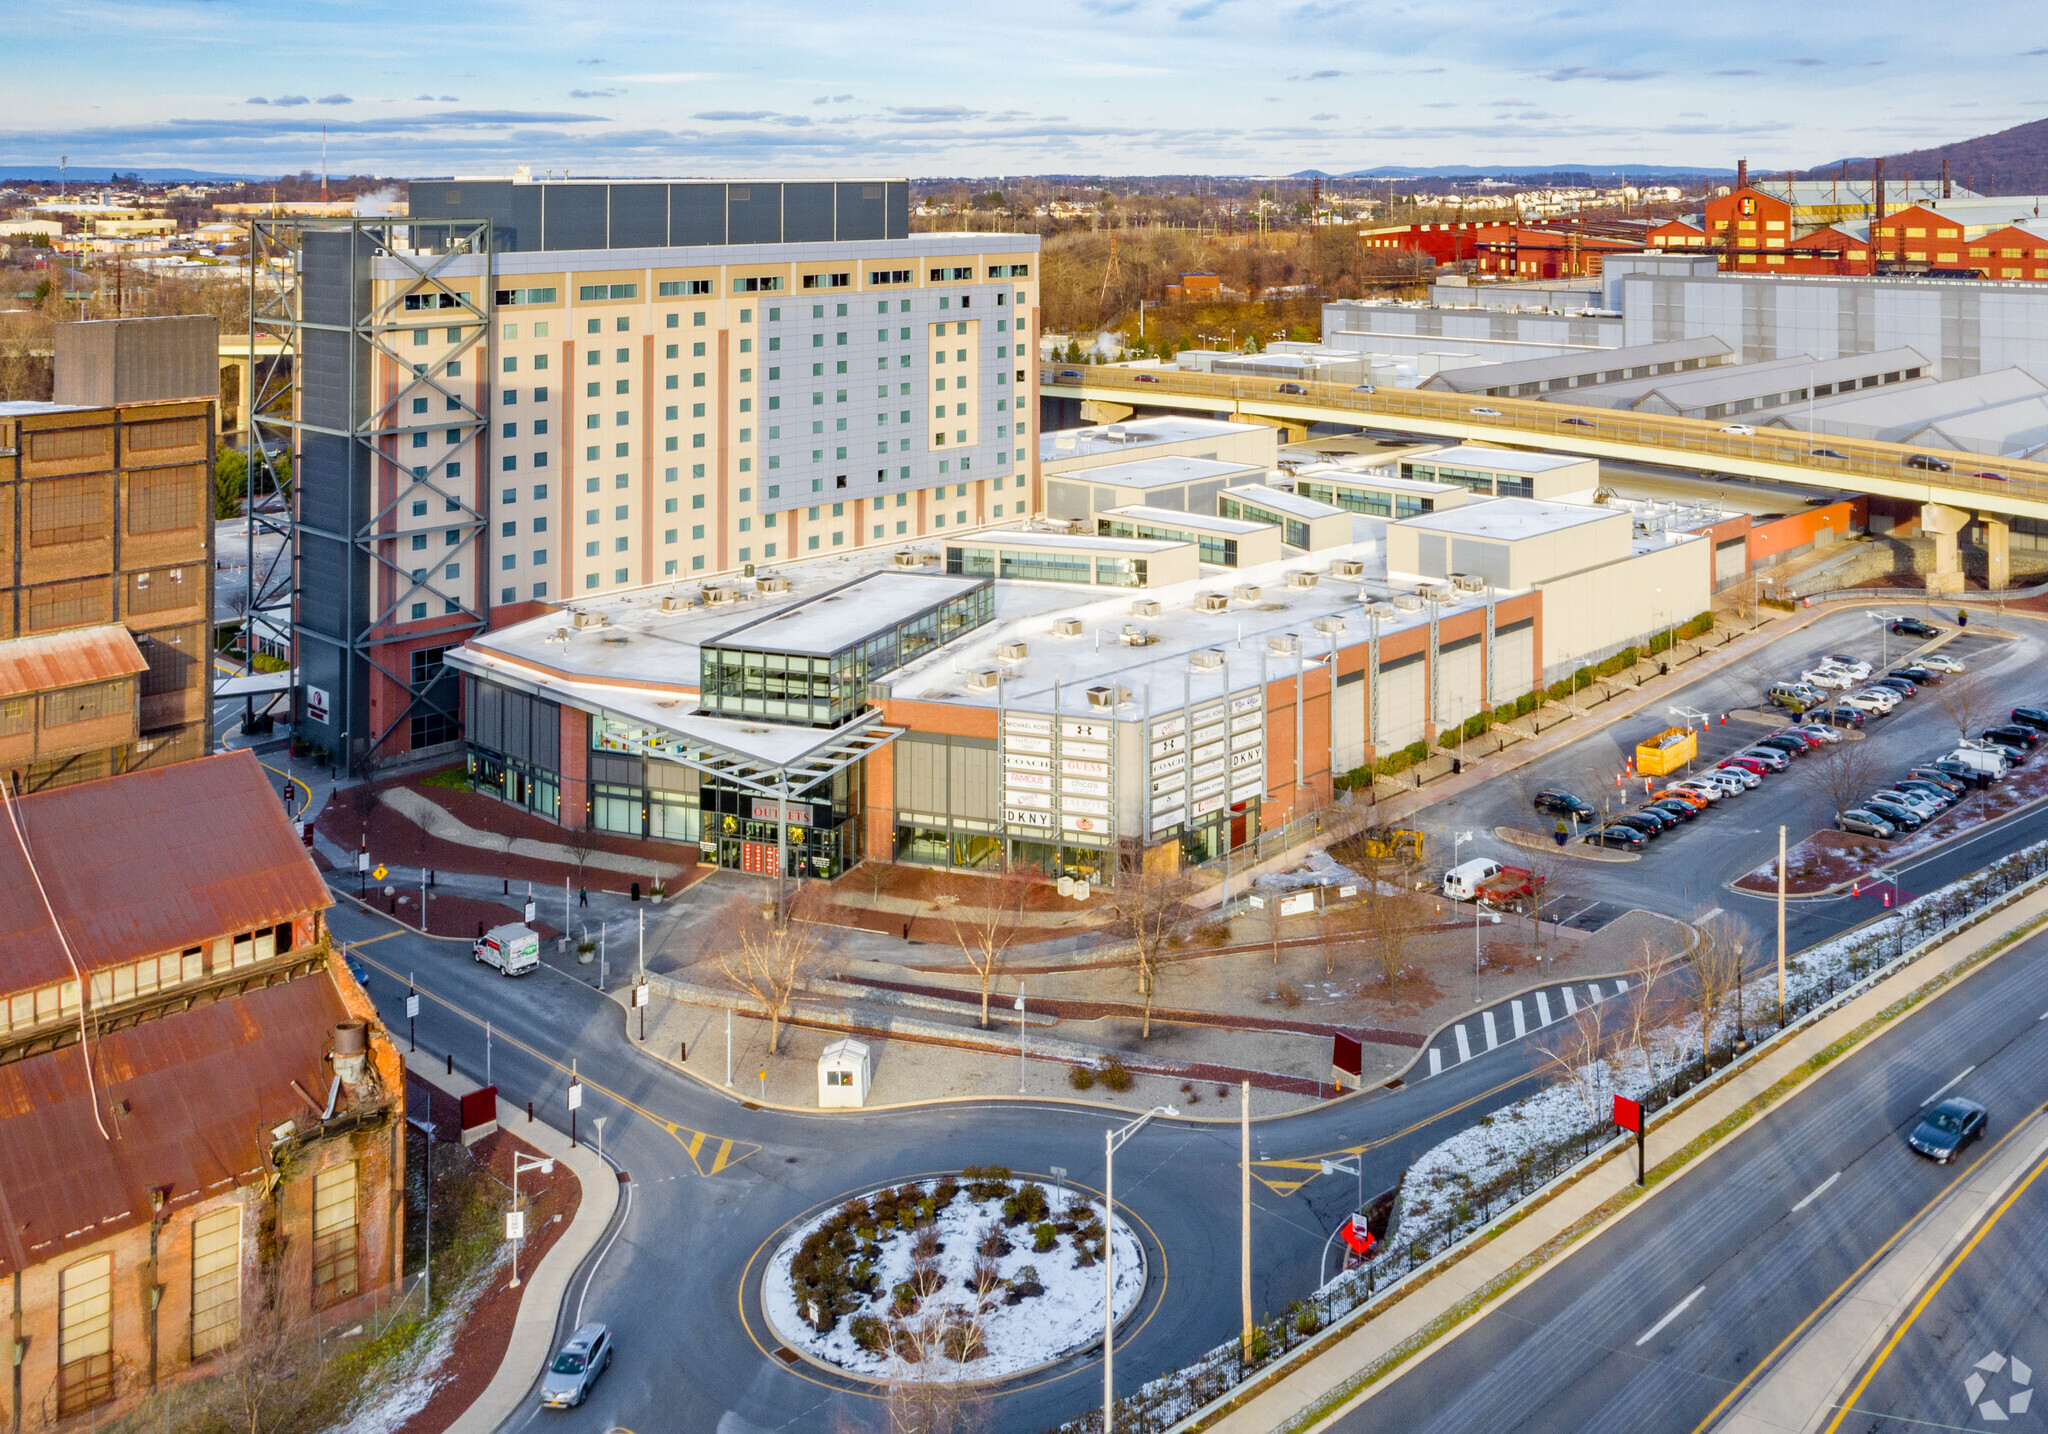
1066 627
772 583
984 680
590 619
1283 644
1012 651
1302 580
1407 602
1383 609
1329 626
1211 602
1468 582
1135 636
1145 607
675 602
906 558
1245 592
1347 568
1107 697
1206 659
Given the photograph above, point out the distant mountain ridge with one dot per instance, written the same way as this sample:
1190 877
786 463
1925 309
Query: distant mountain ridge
1472 171
98 174
2012 161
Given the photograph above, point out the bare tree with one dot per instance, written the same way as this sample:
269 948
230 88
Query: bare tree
770 961
1841 773
270 1380
1546 872
1392 913
1969 701
1714 967
984 932
1644 1009
927 1388
1151 906
1579 1054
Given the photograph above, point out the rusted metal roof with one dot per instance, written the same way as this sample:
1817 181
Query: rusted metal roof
67 659
203 1088
147 863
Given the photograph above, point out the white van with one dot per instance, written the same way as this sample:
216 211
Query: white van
513 949
1461 883
1986 764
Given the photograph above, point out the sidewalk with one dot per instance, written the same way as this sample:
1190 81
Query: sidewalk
533 1332
1806 1386
1325 1380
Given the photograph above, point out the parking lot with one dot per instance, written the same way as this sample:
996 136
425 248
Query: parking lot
1689 867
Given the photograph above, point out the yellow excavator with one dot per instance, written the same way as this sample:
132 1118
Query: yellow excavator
1384 843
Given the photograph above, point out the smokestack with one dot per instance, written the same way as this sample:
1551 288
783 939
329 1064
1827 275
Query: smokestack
1742 174
1944 177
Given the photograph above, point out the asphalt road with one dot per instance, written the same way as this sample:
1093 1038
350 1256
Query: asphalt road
1653 1324
1687 871
679 1283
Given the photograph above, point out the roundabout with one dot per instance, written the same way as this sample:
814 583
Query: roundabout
974 1279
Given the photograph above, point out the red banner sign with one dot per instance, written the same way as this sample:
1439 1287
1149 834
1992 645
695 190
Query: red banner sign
1628 1114
1357 1236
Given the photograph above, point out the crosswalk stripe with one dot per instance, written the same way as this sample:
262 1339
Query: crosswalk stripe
1436 1060
1542 1008
1464 1045
1571 1005
1520 1029
1486 1020
1593 989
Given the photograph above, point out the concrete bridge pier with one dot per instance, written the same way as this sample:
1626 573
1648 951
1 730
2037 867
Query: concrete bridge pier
1997 550
1944 524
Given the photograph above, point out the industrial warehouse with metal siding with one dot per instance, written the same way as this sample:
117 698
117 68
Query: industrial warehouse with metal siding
1052 698
568 388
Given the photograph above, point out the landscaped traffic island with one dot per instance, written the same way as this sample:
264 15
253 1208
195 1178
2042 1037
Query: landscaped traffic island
974 1277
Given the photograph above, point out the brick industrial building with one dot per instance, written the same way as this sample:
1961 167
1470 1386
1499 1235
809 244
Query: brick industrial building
201 1124
106 533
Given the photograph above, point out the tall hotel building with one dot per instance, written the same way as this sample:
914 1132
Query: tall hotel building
533 392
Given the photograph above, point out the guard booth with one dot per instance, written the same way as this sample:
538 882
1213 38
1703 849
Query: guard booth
844 1073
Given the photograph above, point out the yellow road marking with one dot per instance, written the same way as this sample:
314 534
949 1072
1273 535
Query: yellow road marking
692 1141
1286 1187
1839 1290
305 801
1927 1298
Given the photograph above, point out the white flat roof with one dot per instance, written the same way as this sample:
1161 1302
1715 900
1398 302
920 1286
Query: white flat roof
1081 442
1078 542
1197 522
1511 518
1281 501
1365 478
824 622
1505 459
1159 472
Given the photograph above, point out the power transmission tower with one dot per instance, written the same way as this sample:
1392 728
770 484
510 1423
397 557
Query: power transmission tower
1112 276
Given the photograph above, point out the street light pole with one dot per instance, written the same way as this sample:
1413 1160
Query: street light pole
1020 1038
522 1163
1781 928
1111 1139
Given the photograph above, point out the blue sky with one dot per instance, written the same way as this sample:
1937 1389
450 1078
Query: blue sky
924 88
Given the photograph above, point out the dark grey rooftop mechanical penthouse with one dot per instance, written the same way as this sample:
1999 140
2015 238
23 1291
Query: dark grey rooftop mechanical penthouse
530 215
812 664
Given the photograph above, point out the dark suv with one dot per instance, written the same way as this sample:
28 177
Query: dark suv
1564 804
2036 717
2024 739
1914 627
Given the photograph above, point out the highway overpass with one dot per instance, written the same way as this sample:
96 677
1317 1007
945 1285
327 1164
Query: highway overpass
1994 490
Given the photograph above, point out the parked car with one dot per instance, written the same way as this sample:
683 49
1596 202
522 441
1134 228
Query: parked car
1773 759
1955 786
1806 740
1914 787
1914 627
1651 825
1854 666
2019 738
1740 430
1827 453
1829 679
1617 837
1970 767
1794 696
2035 717
570 1378
1941 662
1684 811
1904 686
1564 804
1864 823
1868 702
1843 716
1790 746
1897 813
1696 800
1484 412
1946 1129
1827 735
1925 463
1284 388
1737 772
1712 790
1746 762
1914 673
